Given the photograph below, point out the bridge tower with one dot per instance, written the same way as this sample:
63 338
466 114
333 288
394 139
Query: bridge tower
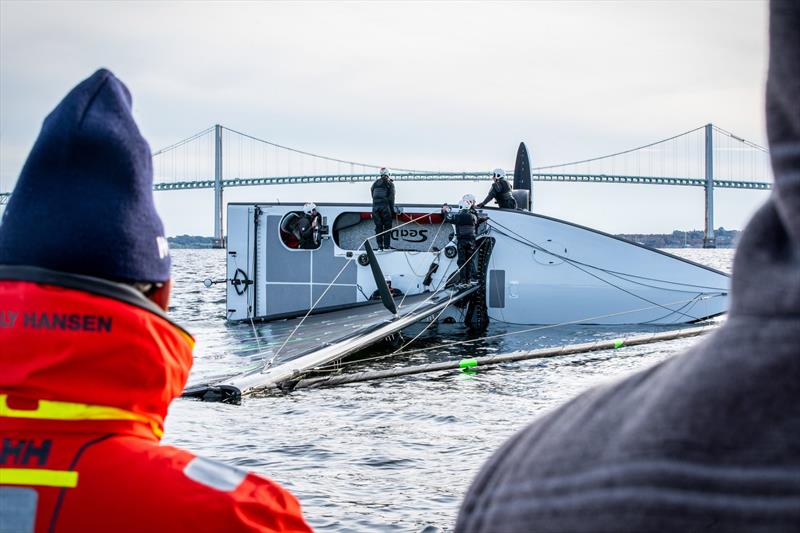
219 240
709 239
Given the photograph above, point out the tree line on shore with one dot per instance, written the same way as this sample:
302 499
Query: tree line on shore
683 239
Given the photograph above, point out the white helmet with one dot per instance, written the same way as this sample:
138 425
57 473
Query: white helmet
469 198
309 207
498 173
384 172
464 204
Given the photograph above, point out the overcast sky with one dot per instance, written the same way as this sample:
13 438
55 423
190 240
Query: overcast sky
447 86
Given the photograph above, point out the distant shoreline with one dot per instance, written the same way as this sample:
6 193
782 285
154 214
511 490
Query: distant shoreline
683 239
676 239
190 241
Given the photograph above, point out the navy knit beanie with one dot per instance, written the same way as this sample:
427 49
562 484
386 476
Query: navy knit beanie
84 201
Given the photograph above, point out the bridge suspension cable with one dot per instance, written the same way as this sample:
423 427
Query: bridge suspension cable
318 156
220 157
249 160
703 153
744 141
184 141
599 158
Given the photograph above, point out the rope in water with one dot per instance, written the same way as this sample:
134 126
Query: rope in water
492 360
330 368
338 365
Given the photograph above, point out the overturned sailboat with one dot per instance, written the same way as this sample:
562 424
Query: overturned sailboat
541 270
532 269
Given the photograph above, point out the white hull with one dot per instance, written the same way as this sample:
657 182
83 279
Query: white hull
594 278
541 270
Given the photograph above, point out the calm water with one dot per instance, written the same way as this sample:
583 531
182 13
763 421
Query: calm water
392 455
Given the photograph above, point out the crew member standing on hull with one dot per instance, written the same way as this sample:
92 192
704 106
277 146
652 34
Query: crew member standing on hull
307 227
500 191
466 221
383 209
89 358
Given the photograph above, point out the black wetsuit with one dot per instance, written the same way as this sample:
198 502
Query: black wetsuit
383 211
501 192
466 222
306 233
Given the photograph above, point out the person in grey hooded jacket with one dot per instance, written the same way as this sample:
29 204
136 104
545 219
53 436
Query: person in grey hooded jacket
708 440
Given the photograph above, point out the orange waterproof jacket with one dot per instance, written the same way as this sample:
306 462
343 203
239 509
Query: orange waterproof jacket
87 371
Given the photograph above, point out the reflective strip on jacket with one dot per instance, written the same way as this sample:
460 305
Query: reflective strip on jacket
85 382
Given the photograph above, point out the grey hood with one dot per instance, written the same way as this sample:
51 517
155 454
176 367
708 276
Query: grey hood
708 440
767 265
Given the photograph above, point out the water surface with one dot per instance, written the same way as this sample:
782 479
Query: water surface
395 455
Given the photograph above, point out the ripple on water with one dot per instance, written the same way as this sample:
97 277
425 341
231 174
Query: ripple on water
384 456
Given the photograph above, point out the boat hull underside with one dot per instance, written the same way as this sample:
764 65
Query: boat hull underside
541 270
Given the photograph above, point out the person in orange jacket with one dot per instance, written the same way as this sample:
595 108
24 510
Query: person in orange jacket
89 359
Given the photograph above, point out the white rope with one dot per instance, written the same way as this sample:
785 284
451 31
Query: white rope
255 334
433 241
326 368
272 359
450 299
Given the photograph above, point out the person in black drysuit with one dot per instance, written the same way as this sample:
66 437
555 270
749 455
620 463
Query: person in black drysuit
307 227
466 221
706 440
383 209
500 191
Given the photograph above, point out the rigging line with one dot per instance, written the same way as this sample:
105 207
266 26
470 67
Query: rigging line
618 153
272 359
255 334
433 241
449 301
621 275
317 155
439 287
477 248
411 267
622 289
327 368
338 364
684 306
405 255
181 143
332 283
745 141
361 290
524 240
623 278
444 278
434 293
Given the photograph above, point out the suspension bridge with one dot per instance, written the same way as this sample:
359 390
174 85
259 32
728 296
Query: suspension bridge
220 157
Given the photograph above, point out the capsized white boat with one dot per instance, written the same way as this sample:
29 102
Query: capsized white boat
538 269
324 304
